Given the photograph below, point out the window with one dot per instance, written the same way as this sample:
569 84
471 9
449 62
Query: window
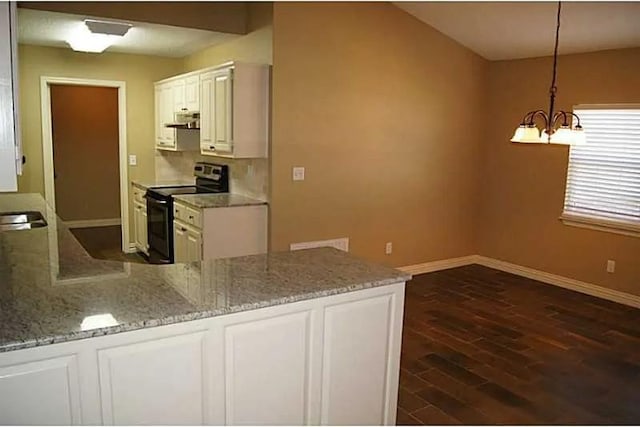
603 178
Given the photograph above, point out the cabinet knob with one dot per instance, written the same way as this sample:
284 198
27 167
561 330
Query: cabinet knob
183 229
190 216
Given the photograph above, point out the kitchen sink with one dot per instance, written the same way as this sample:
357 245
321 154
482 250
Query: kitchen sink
21 220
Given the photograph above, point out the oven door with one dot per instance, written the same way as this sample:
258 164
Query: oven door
160 229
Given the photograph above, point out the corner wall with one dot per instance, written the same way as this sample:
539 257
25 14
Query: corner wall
381 110
523 186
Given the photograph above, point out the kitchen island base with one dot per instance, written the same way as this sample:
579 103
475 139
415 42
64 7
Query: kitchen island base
329 360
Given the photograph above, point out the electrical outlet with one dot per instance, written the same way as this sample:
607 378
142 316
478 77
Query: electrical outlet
388 248
611 266
298 173
133 160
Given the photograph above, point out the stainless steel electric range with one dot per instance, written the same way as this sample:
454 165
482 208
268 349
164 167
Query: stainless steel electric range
210 178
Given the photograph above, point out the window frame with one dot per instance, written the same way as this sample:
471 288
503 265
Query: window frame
627 228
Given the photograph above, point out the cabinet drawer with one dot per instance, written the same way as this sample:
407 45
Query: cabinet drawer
138 195
194 217
180 212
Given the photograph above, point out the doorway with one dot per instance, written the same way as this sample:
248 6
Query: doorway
84 153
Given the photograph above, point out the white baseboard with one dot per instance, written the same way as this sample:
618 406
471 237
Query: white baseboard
88 223
541 276
443 264
563 282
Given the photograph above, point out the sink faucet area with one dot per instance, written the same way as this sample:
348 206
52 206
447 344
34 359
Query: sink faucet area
21 220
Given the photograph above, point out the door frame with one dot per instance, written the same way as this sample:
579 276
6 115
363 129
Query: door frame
47 143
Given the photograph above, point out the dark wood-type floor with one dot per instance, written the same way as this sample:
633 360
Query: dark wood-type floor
105 243
482 346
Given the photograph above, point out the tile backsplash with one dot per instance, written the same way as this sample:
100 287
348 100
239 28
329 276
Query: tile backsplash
248 177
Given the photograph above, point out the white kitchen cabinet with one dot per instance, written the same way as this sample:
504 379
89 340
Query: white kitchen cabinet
155 382
187 243
192 92
268 369
140 220
10 147
329 360
171 97
234 116
40 392
218 232
359 327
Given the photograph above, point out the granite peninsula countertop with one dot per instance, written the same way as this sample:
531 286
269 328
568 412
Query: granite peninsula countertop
52 291
220 200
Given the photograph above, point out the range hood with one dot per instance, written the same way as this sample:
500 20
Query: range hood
185 120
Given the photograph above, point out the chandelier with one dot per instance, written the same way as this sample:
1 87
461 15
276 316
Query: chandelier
551 133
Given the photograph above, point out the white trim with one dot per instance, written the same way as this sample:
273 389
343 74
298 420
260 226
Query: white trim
88 223
609 226
443 264
563 282
541 276
47 142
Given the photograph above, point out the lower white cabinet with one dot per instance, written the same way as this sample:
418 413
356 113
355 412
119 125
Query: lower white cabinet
218 232
155 382
331 360
140 227
40 392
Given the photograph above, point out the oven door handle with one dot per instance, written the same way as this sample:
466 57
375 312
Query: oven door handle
154 200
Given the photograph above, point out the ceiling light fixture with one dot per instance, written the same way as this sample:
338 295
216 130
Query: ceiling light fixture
527 132
96 36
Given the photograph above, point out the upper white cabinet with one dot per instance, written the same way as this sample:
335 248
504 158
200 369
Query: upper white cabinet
172 96
234 116
233 101
10 150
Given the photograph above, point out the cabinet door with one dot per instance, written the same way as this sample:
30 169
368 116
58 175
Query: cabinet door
360 360
194 245
42 392
223 110
178 88
144 236
137 225
167 107
192 93
267 368
159 129
206 113
8 171
162 381
179 242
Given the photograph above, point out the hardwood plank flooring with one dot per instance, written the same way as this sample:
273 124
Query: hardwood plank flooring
481 346
105 243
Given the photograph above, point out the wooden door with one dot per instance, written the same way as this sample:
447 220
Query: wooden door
223 110
85 130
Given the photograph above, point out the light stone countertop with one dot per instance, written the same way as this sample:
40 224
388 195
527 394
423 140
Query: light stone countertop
47 298
220 200
144 185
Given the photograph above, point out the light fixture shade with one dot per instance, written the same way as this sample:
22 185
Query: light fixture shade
579 137
526 135
563 136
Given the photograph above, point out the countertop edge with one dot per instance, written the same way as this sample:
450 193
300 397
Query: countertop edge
197 315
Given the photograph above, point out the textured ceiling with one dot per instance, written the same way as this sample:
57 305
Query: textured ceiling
51 29
510 30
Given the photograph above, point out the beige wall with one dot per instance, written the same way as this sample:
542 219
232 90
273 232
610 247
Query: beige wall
523 186
381 110
85 145
256 46
139 72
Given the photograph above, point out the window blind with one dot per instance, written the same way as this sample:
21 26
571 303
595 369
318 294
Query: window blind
603 178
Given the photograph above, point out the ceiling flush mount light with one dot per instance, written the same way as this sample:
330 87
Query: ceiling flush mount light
527 132
95 36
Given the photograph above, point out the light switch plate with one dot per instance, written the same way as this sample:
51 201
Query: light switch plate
298 173
133 160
